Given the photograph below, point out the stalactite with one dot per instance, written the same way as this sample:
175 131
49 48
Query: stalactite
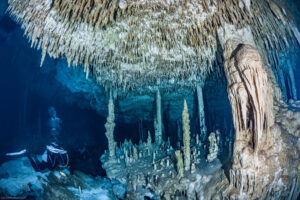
110 126
201 113
99 34
277 12
186 137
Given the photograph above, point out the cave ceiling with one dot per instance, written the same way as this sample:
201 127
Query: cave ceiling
143 44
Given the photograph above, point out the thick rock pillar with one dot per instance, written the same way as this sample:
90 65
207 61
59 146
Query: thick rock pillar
261 148
249 92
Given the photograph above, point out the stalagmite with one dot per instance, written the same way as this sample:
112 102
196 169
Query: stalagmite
149 143
213 147
186 137
135 153
193 168
179 165
158 120
197 140
110 126
201 113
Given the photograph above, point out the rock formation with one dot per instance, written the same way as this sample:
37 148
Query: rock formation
110 126
163 171
20 181
262 148
249 93
213 147
201 112
179 164
158 120
186 138
131 44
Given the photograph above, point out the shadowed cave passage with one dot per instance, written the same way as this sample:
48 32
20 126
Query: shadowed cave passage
217 115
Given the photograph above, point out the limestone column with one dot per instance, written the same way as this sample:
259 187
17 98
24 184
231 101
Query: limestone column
213 147
186 137
110 126
149 143
179 164
248 87
201 112
158 120
250 93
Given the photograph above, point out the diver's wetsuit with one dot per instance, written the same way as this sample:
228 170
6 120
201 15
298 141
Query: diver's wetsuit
53 157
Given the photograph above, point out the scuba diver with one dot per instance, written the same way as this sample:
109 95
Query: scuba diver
54 157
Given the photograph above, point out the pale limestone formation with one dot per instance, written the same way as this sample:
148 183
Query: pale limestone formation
126 157
156 172
248 81
193 168
277 12
198 142
149 143
179 164
201 112
146 41
158 120
213 147
110 126
135 153
261 148
186 137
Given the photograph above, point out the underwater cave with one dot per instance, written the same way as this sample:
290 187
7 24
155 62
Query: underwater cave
157 100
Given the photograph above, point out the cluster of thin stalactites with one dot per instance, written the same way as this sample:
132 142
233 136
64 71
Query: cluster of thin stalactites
176 47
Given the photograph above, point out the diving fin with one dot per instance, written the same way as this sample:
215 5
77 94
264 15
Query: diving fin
19 153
